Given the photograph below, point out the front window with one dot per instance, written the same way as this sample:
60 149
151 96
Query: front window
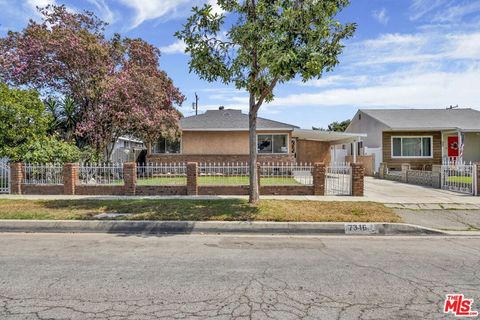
412 147
272 143
167 146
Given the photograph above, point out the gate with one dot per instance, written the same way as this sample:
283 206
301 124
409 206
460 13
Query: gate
4 176
459 177
338 179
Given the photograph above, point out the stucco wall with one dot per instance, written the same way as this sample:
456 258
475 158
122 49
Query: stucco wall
363 123
313 151
471 150
218 143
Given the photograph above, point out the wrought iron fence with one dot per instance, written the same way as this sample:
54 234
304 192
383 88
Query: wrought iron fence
104 173
223 173
459 176
280 174
42 173
162 174
338 179
4 176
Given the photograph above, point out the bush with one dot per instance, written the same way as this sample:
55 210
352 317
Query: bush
48 150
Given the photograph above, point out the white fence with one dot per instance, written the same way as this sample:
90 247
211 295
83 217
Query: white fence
104 174
159 174
237 173
42 173
459 177
281 174
338 179
4 176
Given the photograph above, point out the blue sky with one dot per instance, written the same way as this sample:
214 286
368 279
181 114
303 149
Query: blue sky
405 54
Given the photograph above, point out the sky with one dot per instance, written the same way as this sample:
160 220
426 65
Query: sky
405 54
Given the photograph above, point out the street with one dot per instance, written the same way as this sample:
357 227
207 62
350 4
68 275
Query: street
107 276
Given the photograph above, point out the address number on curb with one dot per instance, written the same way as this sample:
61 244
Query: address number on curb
360 228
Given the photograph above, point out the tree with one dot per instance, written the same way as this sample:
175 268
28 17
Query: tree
111 86
268 43
336 126
24 129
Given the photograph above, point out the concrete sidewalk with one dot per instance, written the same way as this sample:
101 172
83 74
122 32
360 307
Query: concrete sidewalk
376 190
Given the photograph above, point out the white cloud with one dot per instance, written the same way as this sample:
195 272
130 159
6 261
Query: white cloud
152 9
215 7
174 48
404 90
104 11
443 10
381 16
33 4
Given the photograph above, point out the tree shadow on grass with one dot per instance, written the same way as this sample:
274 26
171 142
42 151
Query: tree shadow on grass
160 209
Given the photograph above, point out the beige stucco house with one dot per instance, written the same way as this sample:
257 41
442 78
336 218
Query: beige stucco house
222 136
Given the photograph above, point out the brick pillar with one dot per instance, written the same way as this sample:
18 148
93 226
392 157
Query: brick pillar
130 178
16 176
383 170
437 176
192 181
405 168
358 183
70 178
319 179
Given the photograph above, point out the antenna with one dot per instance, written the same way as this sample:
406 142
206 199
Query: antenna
195 104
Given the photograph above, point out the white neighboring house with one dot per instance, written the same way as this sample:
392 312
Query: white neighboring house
126 149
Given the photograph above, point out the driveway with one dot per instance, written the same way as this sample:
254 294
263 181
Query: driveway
386 191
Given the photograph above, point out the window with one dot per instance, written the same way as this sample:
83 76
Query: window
167 146
411 147
272 143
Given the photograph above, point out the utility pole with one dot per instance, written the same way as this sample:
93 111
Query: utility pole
195 104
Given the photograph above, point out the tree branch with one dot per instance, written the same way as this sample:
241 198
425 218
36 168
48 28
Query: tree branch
268 90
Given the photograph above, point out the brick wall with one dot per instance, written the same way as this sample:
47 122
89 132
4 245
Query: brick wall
72 186
99 190
161 190
54 189
16 175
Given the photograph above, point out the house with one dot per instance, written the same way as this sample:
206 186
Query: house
419 137
223 136
127 149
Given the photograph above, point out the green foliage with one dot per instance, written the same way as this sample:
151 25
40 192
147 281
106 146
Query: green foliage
336 126
24 129
48 149
270 42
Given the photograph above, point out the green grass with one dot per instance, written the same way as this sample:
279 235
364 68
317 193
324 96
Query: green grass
460 179
199 210
212 180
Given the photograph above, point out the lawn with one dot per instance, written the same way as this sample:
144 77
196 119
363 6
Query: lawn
215 180
199 210
460 179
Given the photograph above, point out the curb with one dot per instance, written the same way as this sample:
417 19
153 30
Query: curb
196 227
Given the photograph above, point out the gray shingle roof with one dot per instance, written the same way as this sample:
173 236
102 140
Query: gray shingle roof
228 119
424 119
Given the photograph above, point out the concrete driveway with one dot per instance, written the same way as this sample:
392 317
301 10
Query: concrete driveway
386 191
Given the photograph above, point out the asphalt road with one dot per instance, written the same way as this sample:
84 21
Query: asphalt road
86 276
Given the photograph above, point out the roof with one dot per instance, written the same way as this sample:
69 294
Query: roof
327 136
427 119
228 120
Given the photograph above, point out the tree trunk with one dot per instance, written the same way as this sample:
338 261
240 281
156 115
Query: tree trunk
254 193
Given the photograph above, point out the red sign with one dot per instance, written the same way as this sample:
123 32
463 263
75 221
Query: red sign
453 147
459 306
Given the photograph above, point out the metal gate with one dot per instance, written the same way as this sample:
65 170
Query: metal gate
459 177
338 179
4 176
